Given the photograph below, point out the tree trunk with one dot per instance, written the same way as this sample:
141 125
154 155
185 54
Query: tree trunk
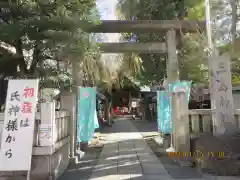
36 59
107 111
21 61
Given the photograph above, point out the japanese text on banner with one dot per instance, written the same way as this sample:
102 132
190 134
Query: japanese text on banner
17 135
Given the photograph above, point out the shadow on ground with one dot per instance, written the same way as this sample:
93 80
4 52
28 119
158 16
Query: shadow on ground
131 163
149 126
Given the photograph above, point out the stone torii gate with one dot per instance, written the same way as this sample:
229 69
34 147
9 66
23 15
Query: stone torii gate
172 28
180 106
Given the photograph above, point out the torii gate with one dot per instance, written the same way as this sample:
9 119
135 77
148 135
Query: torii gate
171 28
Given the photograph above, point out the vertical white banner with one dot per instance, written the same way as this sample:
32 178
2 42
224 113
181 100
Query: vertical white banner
18 128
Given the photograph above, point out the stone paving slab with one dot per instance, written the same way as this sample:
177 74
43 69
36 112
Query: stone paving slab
81 170
150 177
127 155
113 177
129 166
153 168
106 166
144 157
109 155
132 154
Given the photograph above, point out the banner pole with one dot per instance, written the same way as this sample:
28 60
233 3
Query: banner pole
171 148
160 133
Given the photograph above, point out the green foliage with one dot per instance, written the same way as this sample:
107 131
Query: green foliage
43 33
154 65
196 9
128 66
193 61
152 9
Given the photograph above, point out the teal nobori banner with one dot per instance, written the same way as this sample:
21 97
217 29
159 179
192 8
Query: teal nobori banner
87 120
164 104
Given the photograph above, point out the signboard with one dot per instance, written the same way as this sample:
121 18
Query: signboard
18 128
45 135
134 104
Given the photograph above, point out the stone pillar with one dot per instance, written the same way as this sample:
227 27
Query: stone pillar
181 132
181 122
172 73
223 119
77 83
68 103
172 60
47 115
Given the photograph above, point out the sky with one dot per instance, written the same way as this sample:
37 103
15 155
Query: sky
107 9
107 12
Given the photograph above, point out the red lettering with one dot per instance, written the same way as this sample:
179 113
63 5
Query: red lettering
28 92
26 108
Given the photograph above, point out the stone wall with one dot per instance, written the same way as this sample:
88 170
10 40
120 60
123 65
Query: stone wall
44 167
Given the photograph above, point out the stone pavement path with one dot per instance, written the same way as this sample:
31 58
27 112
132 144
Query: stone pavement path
126 156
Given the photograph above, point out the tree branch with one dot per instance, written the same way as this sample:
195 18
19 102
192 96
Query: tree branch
36 57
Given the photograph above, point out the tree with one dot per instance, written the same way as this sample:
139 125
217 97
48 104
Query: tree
42 38
192 58
154 65
125 66
225 32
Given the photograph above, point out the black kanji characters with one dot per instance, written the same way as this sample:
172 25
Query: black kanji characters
14 110
12 125
15 96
